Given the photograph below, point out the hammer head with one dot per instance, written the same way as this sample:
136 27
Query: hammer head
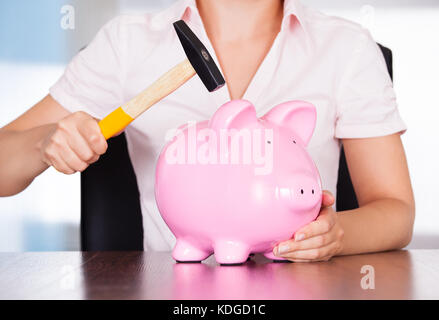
199 57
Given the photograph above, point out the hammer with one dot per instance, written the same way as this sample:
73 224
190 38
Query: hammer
198 61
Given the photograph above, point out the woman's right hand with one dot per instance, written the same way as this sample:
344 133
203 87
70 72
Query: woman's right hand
73 143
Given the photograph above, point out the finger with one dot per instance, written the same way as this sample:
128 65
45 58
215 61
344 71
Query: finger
311 243
323 224
71 158
312 254
82 149
324 259
308 261
59 164
92 134
52 158
328 199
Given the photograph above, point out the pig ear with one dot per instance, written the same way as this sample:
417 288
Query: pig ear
299 116
236 114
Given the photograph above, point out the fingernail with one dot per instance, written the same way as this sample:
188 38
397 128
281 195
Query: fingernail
282 249
300 236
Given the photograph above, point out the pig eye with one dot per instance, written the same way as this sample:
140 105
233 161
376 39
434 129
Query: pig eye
269 142
294 141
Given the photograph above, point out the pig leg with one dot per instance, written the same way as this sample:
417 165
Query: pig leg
231 252
187 252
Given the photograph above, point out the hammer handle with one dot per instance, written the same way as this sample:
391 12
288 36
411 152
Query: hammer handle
120 118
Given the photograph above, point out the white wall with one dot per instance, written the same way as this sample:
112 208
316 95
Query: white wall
52 198
33 55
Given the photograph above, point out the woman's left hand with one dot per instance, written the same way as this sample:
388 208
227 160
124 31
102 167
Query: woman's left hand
318 241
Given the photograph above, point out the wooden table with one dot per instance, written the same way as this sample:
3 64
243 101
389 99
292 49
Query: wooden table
143 275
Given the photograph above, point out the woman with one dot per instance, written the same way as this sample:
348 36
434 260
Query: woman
269 52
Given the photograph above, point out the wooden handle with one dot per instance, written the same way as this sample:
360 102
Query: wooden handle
120 118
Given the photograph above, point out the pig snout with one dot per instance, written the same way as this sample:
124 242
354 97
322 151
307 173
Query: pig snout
301 192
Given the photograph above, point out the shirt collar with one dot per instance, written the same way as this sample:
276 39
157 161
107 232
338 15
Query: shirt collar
187 10
182 9
294 8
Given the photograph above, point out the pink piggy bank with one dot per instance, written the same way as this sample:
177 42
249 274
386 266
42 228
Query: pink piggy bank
238 184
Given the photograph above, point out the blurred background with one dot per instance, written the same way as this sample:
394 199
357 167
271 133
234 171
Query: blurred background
39 37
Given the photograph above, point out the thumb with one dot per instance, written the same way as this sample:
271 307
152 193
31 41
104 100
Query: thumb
327 199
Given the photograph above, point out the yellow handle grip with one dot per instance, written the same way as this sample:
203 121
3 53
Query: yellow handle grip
115 122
